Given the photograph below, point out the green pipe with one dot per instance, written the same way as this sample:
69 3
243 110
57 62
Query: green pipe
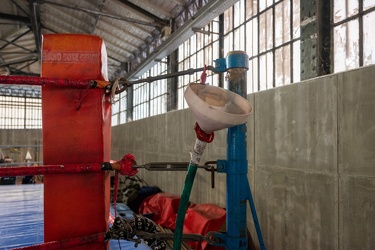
184 202
196 155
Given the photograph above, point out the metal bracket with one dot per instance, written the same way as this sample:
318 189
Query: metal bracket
221 166
215 238
211 169
179 166
164 166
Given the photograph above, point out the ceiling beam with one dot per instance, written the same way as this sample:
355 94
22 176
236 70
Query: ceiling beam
180 2
15 39
145 12
15 53
35 23
100 8
21 60
14 44
203 16
117 29
156 8
116 38
20 19
4 70
26 65
126 19
22 6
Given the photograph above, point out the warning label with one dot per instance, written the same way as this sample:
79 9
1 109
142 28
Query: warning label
70 57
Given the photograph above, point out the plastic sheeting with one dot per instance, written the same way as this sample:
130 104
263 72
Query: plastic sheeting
161 208
21 218
199 219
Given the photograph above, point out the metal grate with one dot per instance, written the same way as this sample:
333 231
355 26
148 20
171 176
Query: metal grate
20 113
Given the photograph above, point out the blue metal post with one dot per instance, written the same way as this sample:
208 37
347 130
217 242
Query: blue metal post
238 188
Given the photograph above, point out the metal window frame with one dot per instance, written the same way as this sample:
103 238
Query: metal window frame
259 54
31 108
361 13
195 77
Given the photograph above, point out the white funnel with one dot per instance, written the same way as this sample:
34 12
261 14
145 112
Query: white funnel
215 108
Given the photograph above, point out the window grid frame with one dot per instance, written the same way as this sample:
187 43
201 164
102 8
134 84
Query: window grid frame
11 108
358 16
257 55
214 38
144 107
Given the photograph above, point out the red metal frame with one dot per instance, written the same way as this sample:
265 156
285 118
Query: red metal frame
123 166
53 82
50 169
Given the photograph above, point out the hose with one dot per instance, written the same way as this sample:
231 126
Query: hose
184 201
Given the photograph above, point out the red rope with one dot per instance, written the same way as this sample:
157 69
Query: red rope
50 82
124 167
50 169
203 136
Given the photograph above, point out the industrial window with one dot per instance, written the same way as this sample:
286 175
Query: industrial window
269 31
354 39
150 99
20 113
201 49
119 109
141 98
158 93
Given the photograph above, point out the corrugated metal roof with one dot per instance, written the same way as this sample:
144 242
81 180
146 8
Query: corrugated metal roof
135 31
125 26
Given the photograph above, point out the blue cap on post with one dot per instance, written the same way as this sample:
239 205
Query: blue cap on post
220 65
237 59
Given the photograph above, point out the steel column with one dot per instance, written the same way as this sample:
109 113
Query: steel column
236 167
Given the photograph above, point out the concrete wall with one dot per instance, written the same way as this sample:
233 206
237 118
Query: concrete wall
22 137
311 154
311 160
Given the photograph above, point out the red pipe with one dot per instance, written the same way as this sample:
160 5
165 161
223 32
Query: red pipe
67 243
50 169
124 166
53 82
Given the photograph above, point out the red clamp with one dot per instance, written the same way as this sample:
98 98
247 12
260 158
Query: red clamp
203 136
204 75
125 165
